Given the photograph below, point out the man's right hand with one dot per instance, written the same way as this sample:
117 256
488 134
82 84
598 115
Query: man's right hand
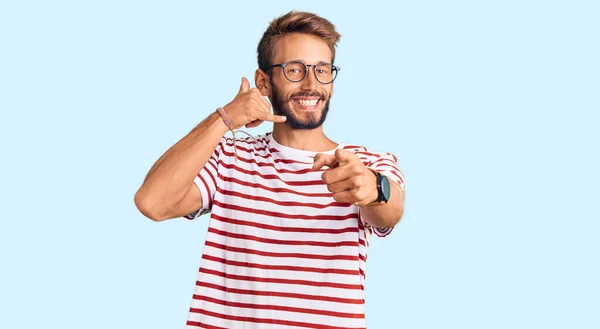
249 108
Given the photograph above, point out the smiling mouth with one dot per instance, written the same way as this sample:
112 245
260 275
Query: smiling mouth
307 103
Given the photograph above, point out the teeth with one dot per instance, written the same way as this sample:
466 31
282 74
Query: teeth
307 102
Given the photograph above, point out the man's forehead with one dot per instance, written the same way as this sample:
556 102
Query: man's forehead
302 47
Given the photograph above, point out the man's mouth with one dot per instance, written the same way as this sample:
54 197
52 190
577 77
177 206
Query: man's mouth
307 103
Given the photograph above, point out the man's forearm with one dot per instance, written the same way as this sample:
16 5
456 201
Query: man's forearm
385 215
170 177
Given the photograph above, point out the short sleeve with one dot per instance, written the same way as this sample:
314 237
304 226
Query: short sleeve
387 164
206 181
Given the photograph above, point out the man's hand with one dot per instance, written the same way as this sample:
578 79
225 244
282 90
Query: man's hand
348 178
250 108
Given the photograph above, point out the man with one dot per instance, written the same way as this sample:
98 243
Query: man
292 210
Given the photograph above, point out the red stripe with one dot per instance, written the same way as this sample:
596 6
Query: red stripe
282 215
399 177
271 321
368 154
255 156
251 151
280 254
280 267
276 308
278 294
387 161
394 174
283 203
212 176
207 191
283 242
379 165
285 229
271 176
354 147
202 325
394 167
273 189
383 232
213 164
282 281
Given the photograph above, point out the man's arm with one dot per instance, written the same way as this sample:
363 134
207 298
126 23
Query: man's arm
168 190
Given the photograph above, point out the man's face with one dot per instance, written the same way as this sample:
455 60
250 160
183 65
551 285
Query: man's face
304 103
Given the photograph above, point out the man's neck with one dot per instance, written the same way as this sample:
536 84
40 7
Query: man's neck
308 140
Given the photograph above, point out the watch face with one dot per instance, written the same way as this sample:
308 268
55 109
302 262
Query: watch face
385 187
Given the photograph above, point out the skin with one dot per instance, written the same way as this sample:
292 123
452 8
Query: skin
168 190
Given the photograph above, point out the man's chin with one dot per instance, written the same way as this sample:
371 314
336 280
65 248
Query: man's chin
303 123
298 118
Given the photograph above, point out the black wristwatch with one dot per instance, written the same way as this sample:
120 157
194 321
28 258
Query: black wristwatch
383 188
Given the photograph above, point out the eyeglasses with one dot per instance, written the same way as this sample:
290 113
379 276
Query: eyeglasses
295 71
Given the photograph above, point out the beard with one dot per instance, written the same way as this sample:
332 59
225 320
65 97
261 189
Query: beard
281 107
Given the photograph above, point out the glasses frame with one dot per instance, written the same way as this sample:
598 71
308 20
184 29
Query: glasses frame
314 70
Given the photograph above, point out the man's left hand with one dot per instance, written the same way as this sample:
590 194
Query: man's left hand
347 177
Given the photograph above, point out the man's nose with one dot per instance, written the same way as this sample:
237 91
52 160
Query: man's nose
310 82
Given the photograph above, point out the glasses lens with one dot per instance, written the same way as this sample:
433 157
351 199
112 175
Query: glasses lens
295 71
325 73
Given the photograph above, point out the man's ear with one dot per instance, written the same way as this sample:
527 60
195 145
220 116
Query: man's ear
262 82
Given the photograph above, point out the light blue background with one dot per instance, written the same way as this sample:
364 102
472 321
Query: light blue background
491 108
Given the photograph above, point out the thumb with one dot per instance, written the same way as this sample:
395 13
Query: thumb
322 159
244 87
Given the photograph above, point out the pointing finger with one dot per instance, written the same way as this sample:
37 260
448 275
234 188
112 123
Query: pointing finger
343 156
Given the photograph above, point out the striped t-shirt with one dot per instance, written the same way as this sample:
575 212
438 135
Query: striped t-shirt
280 251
